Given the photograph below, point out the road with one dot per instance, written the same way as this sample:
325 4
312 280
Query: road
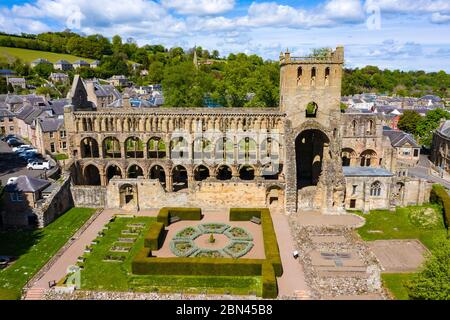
13 166
423 170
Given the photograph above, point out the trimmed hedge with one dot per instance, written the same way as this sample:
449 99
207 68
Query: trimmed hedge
145 265
439 195
271 249
269 281
183 213
155 236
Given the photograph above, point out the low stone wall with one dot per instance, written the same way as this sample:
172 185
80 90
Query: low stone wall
150 194
88 196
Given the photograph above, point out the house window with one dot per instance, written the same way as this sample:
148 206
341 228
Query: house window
51 134
62 134
63 145
10 119
354 188
352 203
375 189
416 152
11 129
16 197
52 147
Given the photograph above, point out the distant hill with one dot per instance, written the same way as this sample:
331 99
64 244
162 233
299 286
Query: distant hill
27 55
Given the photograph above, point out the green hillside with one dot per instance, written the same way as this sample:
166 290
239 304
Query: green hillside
28 56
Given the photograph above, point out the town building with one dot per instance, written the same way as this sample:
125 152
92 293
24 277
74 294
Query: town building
101 95
119 81
58 77
63 65
80 64
440 148
17 82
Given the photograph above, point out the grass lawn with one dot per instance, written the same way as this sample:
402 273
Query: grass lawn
395 284
415 222
27 55
61 156
35 248
116 276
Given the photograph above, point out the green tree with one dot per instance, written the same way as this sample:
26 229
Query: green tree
429 123
3 86
409 120
43 70
433 282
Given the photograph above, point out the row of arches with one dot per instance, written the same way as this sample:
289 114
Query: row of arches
179 174
201 148
367 158
160 123
312 76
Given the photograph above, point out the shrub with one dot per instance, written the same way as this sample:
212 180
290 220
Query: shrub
155 236
439 195
144 265
269 281
166 213
271 249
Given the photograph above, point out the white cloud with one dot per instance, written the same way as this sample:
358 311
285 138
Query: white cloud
410 6
199 7
440 18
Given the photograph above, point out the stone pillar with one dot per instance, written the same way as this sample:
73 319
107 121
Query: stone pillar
169 182
290 171
103 180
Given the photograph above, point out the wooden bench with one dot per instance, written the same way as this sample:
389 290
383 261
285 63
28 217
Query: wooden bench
255 220
174 219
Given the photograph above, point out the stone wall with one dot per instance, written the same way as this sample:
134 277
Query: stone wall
89 196
148 193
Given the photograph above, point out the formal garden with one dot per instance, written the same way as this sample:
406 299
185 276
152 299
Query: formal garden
31 249
121 259
427 223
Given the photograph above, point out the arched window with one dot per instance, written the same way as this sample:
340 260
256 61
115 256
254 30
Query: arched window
111 148
354 127
156 148
247 149
313 72
299 75
134 148
202 149
224 150
375 189
368 158
327 75
89 148
135 171
370 127
311 110
179 148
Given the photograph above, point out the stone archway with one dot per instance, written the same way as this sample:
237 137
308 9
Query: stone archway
128 196
112 171
309 153
92 175
158 172
180 178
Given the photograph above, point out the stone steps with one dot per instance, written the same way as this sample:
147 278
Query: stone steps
35 294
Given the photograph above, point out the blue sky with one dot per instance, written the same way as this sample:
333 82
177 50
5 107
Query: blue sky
395 34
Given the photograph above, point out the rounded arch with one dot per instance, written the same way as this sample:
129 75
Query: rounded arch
370 129
89 148
224 150
201 172
127 195
180 178
311 110
269 149
156 148
111 148
134 148
91 175
247 148
202 149
348 156
368 158
158 172
113 170
224 172
247 172
309 153
134 171
179 148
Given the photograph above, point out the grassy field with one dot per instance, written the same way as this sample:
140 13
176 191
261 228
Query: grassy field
424 223
415 222
35 248
27 55
395 283
116 276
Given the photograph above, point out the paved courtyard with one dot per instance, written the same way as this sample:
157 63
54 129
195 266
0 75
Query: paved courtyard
399 255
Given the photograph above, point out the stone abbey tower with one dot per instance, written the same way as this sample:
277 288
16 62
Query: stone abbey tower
310 95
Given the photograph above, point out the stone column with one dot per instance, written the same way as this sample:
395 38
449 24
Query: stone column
169 182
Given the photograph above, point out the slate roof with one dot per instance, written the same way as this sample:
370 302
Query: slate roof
27 184
366 172
105 90
445 128
62 62
51 124
58 106
399 138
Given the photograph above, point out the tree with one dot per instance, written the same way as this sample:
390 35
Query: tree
427 125
117 43
3 86
409 120
433 282
43 69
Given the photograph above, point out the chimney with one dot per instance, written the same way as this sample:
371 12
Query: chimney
126 100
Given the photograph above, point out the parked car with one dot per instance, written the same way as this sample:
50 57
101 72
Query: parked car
7 137
23 146
39 165
27 154
21 149
14 142
35 158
